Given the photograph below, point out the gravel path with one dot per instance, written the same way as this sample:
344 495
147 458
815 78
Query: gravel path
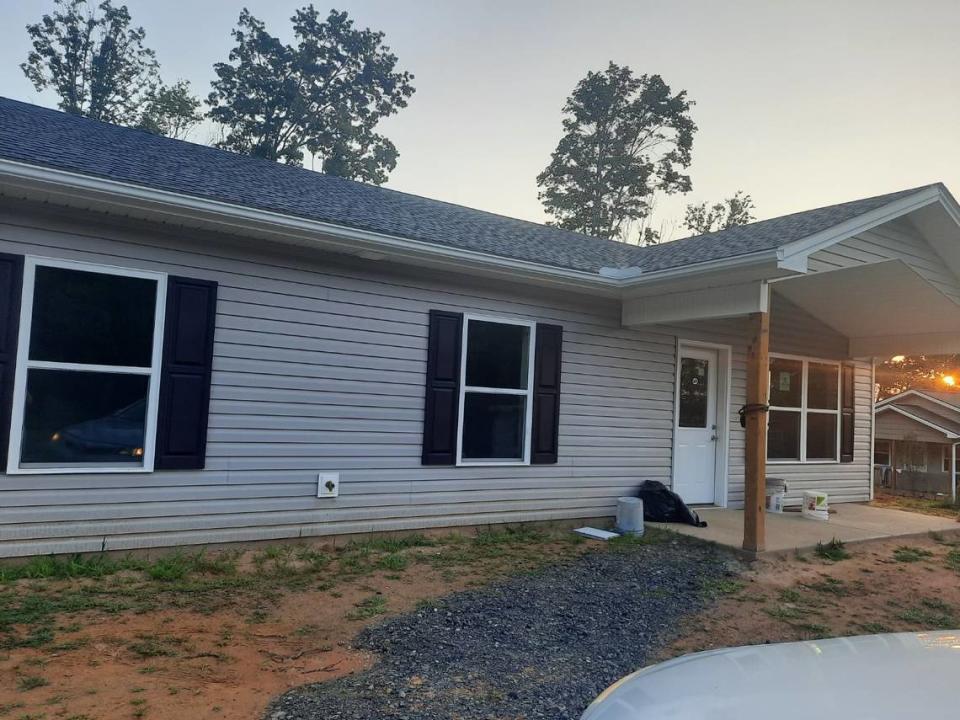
535 646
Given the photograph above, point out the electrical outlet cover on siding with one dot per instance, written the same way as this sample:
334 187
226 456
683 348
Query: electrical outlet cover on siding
328 485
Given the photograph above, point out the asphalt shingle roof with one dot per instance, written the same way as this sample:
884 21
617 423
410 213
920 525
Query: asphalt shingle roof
44 137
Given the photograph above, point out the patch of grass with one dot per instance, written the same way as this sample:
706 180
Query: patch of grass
930 613
8 708
394 561
873 628
371 607
67 568
719 587
909 554
31 682
651 536
833 550
147 646
789 595
814 630
784 613
829 586
391 544
953 559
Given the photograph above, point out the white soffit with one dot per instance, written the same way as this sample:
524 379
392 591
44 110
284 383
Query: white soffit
881 299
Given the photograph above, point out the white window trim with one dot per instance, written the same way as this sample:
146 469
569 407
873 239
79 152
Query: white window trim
528 393
804 411
23 363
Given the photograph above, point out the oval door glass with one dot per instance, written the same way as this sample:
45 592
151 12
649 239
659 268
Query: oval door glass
694 392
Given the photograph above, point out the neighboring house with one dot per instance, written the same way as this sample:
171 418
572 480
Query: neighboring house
917 435
197 346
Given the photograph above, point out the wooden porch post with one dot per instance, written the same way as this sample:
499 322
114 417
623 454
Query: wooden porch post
758 391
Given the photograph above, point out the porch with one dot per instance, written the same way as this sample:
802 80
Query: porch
790 531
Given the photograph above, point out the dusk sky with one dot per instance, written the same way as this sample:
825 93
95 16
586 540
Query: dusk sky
799 104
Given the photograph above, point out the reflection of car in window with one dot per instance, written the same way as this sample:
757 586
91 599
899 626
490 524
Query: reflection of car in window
118 434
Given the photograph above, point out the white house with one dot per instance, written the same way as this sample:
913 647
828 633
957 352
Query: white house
198 347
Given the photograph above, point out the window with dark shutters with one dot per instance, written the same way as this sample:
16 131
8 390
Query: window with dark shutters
492 391
185 374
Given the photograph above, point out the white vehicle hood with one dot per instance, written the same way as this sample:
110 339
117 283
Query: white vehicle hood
873 677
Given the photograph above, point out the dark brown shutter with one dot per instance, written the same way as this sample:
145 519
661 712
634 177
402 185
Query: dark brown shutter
546 394
441 403
847 413
11 285
185 375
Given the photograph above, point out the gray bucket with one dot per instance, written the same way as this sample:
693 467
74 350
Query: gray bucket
630 516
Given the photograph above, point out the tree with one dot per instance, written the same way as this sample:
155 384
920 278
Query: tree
625 139
94 61
171 110
919 372
325 95
733 211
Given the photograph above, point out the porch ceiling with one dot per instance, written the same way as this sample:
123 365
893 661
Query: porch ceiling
883 308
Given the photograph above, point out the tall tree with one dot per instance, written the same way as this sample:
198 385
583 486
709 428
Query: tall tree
324 94
171 110
625 139
918 372
93 59
736 210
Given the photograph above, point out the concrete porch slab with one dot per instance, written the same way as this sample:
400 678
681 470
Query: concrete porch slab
851 523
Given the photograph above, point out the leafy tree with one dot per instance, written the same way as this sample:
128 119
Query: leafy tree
93 59
325 94
736 210
171 110
625 139
918 372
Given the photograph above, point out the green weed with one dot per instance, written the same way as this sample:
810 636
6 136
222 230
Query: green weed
833 550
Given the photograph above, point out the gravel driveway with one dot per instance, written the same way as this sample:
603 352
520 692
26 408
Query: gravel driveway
534 646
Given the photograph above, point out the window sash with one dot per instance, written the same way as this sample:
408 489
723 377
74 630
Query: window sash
804 411
24 364
527 393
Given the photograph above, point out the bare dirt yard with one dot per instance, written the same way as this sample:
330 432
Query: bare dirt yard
190 635
876 587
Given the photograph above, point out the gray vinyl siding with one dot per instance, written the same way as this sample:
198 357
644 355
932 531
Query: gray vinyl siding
894 426
793 332
891 241
319 366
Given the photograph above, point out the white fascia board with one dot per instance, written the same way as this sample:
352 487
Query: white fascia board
919 393
803 248
229 217
950 435
282 228
702 304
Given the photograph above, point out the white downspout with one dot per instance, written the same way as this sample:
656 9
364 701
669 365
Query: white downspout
953 472
873 418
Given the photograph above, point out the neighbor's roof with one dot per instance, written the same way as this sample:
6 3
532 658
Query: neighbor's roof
48 138
945 417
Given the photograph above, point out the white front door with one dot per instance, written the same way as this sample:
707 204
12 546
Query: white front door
695 462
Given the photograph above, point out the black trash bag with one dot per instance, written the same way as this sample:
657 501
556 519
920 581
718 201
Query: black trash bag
661 504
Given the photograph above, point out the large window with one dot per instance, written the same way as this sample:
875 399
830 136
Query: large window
495 391
804 423
85 395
